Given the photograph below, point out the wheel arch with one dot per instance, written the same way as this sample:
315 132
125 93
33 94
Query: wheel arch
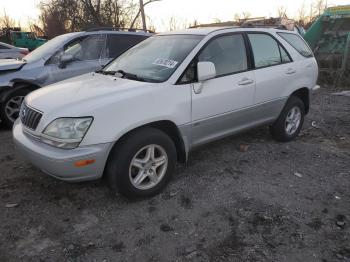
17 85
304 94
169 128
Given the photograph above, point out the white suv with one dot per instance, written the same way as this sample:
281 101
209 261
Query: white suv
132 121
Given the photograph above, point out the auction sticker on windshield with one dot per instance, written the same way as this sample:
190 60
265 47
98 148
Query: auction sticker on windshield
165 62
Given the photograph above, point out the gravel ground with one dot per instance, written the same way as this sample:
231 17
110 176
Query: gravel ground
266 202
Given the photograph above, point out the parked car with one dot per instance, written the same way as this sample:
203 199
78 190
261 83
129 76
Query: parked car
63 57
11 52
132 121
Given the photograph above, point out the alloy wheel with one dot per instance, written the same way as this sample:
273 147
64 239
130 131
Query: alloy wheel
13 106
293 120
148 167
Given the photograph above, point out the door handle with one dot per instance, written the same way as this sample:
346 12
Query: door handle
290 71
245 81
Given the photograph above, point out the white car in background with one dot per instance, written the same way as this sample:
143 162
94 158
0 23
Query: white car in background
11 52
134 119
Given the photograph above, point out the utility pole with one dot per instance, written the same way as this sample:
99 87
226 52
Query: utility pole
143 16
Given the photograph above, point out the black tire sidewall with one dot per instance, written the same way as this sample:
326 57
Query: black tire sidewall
4 119
117 169
278 130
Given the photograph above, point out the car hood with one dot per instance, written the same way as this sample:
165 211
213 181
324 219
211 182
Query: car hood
11 64
81 94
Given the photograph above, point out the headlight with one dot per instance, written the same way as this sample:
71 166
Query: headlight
66 132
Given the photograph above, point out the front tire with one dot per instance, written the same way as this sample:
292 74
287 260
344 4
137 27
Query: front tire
141 164
290 121
9 109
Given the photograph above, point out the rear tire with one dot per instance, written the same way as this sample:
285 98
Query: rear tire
9 109
290 121
134 171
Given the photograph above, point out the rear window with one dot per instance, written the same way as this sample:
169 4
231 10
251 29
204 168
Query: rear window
298 43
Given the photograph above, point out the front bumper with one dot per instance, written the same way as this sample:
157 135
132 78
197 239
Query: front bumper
60 163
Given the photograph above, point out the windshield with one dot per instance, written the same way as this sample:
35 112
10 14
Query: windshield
154 59
46 49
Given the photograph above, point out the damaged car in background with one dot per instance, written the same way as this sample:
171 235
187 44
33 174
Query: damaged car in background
63 57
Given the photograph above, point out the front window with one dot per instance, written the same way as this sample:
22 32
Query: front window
154 59
46 49
227 53
89 48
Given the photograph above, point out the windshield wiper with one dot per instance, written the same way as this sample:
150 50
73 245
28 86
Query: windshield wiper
101 71
123 75
131 76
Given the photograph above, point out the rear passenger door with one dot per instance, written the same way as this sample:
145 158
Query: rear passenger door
222 106
119 43
274 74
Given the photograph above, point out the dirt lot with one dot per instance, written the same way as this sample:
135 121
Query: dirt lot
274 202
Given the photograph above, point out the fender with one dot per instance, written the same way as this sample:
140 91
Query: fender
169 128
17 84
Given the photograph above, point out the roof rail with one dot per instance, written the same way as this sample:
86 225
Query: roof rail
249 25
118 29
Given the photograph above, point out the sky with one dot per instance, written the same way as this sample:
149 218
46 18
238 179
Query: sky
205 11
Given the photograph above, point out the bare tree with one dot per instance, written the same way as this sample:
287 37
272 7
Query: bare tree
139 12
282 12
34 27
240 18
61 16
6 21
174 23
194 23
319 7
246 15
302 18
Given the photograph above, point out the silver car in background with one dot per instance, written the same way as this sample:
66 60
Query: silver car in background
12 52
63 57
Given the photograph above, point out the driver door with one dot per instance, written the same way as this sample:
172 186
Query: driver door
222 105
88 55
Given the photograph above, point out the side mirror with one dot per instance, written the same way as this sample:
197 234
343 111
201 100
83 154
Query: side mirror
206 71
64 60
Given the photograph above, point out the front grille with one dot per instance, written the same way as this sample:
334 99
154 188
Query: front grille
30 118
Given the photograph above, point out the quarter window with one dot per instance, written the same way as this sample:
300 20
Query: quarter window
228 54
298 43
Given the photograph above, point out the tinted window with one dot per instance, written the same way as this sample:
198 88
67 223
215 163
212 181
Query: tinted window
265 50
88 48
118 44
284 56
228 54
298 43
